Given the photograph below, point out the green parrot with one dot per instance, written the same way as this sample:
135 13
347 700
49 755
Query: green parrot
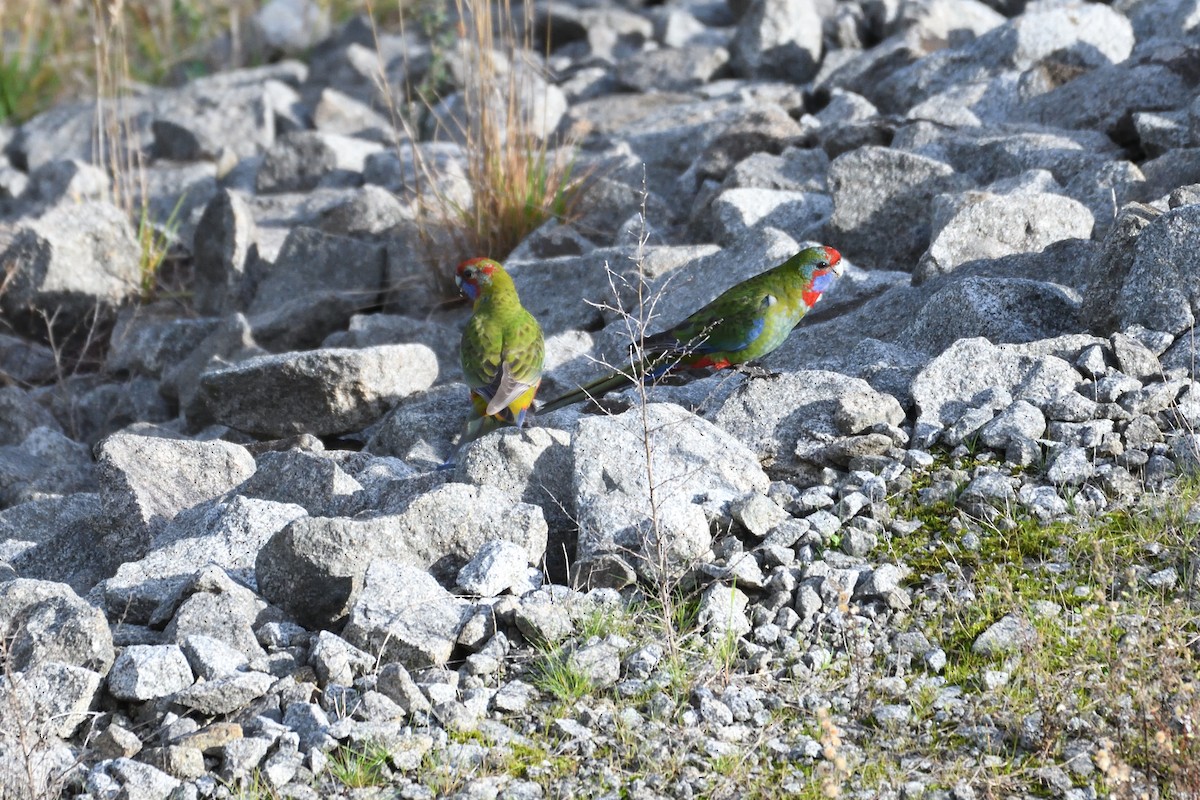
502 348
745 323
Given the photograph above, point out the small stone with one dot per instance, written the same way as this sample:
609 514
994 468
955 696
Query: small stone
1071 466
1008 635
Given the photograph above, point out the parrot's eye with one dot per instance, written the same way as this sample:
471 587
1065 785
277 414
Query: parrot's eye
469 273
822 264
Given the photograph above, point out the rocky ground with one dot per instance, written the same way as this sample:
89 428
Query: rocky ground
946 548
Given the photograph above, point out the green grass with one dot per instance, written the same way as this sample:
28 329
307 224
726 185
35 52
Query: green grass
359 768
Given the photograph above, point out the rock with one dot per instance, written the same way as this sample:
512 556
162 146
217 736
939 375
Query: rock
212 604
533 466
788 420
999 309
736 213
946 386
403 615
882 204
148 672
778 39
498 566
599 662
74 263
320 392
723 611
291 26
211 658
227 534
146 480
49 699
988 224
45 462
1164 277
314 567
27 361
43 621
1020 420
693 459
1103 98
225 246
212 118
1007 636
54 538
303 160
672 70
313 481
318 280
224 695
147 342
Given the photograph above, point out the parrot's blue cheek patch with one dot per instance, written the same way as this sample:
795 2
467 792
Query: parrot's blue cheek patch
823 281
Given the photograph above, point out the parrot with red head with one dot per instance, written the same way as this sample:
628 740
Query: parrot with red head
743 324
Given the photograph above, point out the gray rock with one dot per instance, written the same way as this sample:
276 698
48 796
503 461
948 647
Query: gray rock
599 662
338 662
242 756
50 699
337 112
227 534
999 309
69 179
778 39
419 429
946 386
145 481
212 604
304 160
319 279
882 204
55 538
319 392
736 213
1104 97
763 128
1007 636
73 261
20 415
313 481
723 611
403 615
672 70
496 567
205 120
1164 277
291 27
532 466
992 223
45 462
314 567
43 621
148 672
146 341
224 695
758 515
692 459
1070 466
27 361
224 247
1021 419
788 420
211 658
1134 358
542 621
1092 36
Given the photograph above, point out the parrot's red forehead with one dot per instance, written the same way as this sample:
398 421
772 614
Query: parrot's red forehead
832 256
485 265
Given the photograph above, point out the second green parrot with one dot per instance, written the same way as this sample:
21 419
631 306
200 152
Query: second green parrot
744 323
502 348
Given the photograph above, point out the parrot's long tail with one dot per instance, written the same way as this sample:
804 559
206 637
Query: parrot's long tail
596 388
